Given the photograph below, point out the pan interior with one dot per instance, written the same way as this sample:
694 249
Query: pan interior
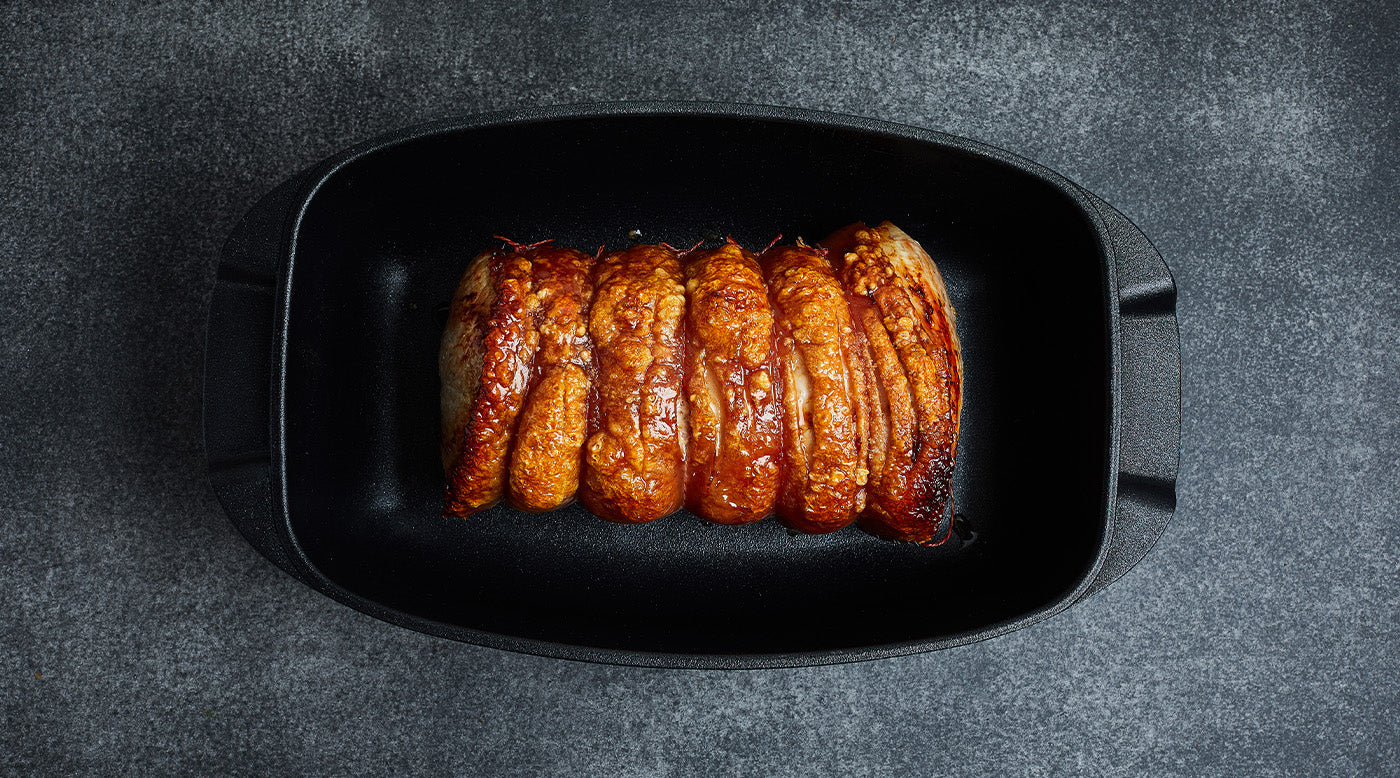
380 250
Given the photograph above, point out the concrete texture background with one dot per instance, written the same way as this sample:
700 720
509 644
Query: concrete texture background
1254 142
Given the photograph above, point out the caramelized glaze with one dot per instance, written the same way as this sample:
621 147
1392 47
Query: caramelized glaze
634 466
908 322
488 351
547 455
825 469
823 383
735 424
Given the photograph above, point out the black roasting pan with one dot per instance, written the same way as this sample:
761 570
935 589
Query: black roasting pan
321 386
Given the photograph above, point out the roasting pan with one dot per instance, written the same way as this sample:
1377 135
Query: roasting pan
321 386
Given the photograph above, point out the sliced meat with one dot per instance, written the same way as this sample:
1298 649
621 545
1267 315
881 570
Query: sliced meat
547 456
824 385
899 299
485 359
634 460
735 432
824 457
891 442
872 408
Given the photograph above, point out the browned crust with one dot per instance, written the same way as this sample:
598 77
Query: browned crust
824 458
830 391
547 456
459 356
893 482
491 336
634 468
873 430
735 420
909 325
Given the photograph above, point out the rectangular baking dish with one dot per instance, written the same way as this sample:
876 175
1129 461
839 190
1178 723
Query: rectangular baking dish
321 387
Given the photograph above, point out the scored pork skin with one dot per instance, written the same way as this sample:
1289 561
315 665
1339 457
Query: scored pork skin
909 323
547 456
735 423
824 460
824 382
485 363
634 459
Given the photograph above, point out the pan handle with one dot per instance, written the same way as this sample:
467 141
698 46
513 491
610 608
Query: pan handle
238 353
1149 448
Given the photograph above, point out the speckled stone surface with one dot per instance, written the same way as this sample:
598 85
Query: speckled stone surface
1254 143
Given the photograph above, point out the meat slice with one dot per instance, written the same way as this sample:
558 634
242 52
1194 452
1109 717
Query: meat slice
824 457
547 456
899 299
735 432
634 460
893 487
484 362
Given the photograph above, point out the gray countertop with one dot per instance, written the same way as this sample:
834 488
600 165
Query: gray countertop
1255 144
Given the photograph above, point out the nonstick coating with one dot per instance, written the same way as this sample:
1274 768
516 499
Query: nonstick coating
379 250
